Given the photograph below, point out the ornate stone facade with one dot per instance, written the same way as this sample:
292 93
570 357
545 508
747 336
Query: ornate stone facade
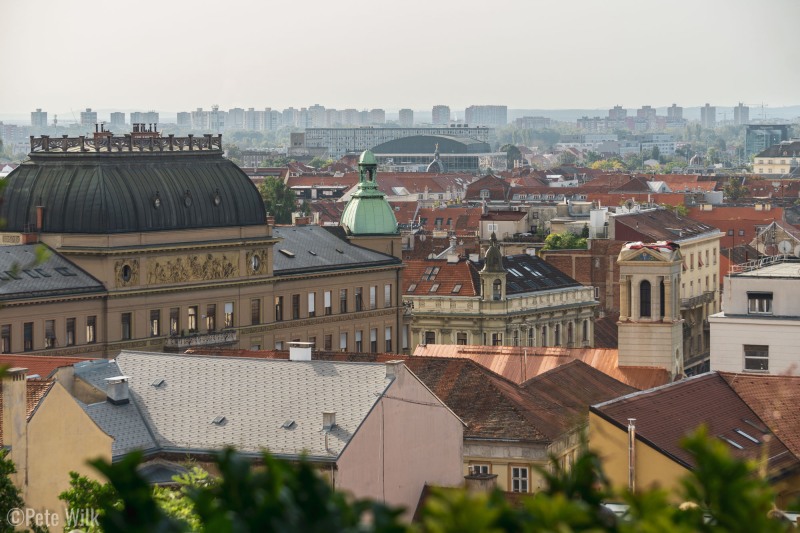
201 267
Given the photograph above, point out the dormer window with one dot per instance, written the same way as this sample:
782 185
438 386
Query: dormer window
485 193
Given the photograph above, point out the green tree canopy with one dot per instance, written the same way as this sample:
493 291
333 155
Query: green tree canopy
279 200
565 241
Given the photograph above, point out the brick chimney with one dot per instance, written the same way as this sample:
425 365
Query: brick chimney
15 420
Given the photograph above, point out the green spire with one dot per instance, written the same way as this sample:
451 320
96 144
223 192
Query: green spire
368 212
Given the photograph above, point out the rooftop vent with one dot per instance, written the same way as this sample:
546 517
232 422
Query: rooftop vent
289 424
219 421
117 391
328 420
287 253
158 382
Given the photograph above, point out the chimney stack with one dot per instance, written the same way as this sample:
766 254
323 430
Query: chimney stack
117 391
15 420
477 483
393 369
328 420
300 351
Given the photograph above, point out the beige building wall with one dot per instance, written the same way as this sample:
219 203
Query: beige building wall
61 439
409 439
653 469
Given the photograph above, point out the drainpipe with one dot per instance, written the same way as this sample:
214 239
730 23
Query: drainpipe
632 454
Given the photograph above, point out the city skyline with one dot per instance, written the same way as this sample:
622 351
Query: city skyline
349 55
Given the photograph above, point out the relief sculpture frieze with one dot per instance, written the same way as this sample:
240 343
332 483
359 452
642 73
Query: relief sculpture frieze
199 267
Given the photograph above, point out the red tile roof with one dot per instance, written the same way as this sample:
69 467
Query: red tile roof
41 365
420 273
667 414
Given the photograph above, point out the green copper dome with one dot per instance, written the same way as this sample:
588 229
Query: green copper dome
368 212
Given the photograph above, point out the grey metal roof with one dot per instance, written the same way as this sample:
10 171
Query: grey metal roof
256 397
426 144
526 273
314 248
22 275
115 193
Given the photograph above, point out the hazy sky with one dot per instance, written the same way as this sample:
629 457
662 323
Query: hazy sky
172 55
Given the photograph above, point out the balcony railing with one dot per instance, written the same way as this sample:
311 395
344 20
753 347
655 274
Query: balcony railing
218 338
697 301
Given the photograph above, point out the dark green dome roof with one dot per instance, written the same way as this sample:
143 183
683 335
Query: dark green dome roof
126 192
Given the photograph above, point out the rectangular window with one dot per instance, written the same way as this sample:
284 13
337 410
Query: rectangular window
359 299
91 329
519 479
229 314
373 297
192 320
27 336
373 340
5 335
313 341
126 326
328 342
342 300
328 308
387 295
388 338
49 333
279 345
211 317
461 338
312 304
691 261
479 469
585 334
295 306
343 341
497 339
70 332
759 303
359 342
175 321
531 336
155 323
756 357
278 308
255 311
430 337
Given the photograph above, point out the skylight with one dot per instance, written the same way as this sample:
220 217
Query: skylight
434 287
64 271
219 421
412 287
732 443
456 288
158 382
430 273
288 424
312 252
42 272
287 253
12 274
748 437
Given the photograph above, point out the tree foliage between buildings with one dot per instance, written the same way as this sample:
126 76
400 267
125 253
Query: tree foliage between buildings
279 199
734 189
723 494
565 240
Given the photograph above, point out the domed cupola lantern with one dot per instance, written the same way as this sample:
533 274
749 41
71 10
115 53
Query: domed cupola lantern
368 212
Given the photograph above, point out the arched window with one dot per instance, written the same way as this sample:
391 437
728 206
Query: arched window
497 290
662 303
644 298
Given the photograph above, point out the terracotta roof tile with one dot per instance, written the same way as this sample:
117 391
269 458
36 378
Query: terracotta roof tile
420 274
41 365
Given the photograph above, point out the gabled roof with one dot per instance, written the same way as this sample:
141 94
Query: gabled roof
315 248
266 404
667 414
330 211
423 275
634 185
36 390
24 275
519 364
498 188
660 225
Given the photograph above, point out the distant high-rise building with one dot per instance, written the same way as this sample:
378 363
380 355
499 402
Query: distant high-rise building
317 117
199 119
646 112
618 113
184 120
235 119
150 117
88 117
406 118
216 120
708 117
350 117
674 113
39 118
759 137
333 117
486 115
290 117
532 123
741 114
440 115
117 122
377 116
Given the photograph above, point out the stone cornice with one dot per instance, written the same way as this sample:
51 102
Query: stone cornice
324 319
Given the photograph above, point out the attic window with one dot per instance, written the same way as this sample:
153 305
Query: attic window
434 287
288 424
340 251
732 443
158 382
12 274
312 253
412 287
219 421
31 273
42 272
430 273
287 253
64 271
456 288
748 437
